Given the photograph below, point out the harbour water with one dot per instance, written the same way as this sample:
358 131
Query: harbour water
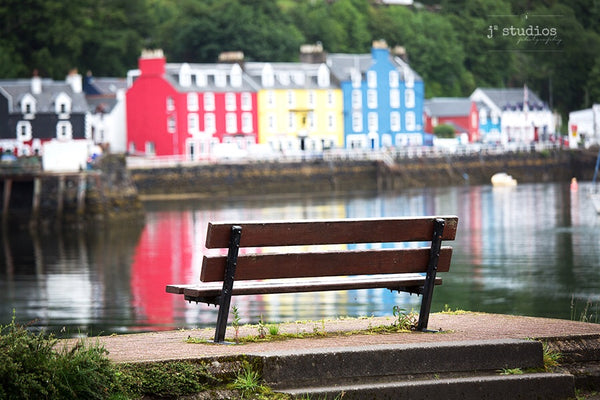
533 249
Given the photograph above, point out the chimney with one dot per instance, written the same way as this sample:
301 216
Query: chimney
380 44
312 53
36 83
74 80
400 51
152 62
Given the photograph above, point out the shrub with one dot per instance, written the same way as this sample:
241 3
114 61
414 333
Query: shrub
31 367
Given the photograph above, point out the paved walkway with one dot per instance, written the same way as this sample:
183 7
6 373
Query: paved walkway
172 345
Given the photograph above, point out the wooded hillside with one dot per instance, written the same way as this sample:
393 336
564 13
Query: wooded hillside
456 46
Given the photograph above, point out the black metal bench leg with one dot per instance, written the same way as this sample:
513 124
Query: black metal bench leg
434 255
225 298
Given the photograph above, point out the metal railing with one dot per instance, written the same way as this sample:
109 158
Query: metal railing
388 156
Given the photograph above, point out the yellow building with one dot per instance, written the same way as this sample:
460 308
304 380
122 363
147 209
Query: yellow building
298 106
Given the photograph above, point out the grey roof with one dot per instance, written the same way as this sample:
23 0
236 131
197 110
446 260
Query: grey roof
513 98
17 89
288 74
109 85
448 106
341 65
209 70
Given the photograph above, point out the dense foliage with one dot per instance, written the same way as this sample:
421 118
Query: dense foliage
455 45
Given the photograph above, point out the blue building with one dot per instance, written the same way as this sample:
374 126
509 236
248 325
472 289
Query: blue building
383 99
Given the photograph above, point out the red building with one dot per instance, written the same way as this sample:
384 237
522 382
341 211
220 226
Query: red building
184 109
461 113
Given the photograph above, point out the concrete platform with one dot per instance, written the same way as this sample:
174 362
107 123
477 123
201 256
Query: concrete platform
570 337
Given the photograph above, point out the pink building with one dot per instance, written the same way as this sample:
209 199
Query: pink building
184 109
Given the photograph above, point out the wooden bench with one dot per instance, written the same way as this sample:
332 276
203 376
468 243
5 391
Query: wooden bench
410 269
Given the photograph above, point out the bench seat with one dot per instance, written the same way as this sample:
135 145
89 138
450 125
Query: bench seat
400 282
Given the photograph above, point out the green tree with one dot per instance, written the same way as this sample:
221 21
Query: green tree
202 30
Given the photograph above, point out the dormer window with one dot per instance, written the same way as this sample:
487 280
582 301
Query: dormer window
267 77
28 106
62 105
236 75
323 76
185 75
220 79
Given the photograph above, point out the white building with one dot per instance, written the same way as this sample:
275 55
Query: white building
584 126
523 116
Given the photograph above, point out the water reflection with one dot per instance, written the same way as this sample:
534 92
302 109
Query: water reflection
528 250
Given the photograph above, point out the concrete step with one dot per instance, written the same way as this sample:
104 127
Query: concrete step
310 368
492 387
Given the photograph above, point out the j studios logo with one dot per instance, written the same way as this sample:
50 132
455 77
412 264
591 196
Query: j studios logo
533 34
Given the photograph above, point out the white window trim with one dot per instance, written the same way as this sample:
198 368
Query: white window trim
192 102
68 130
24 131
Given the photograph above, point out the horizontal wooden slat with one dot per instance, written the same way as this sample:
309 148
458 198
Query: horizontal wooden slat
331 263
314 232
213 289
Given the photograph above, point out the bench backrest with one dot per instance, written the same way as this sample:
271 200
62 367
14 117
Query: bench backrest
330 262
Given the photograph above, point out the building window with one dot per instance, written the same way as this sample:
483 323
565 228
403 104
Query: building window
410 121
330 98
24 131
270 99
311 121
150 149
372 79
246 122
372 98
171 125
192 102
210 123
331 121
271 122
357 123
291 98
395 98
170 104
28 105
193 124
62 105
394 79
409 98
64 130
356 99
310 99
246 100
373 122
395 121
209 101
291 121
231 123
220 79
230 102
482 116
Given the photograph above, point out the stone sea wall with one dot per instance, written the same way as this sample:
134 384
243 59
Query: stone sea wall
314 176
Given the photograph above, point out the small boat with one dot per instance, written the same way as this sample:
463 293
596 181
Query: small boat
503 179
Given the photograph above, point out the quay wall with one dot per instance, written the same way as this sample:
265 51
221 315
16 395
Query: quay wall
236 179
32 197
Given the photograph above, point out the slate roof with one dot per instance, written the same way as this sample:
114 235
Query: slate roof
288 74
513 98
209 69
448 106
341 65
17 89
